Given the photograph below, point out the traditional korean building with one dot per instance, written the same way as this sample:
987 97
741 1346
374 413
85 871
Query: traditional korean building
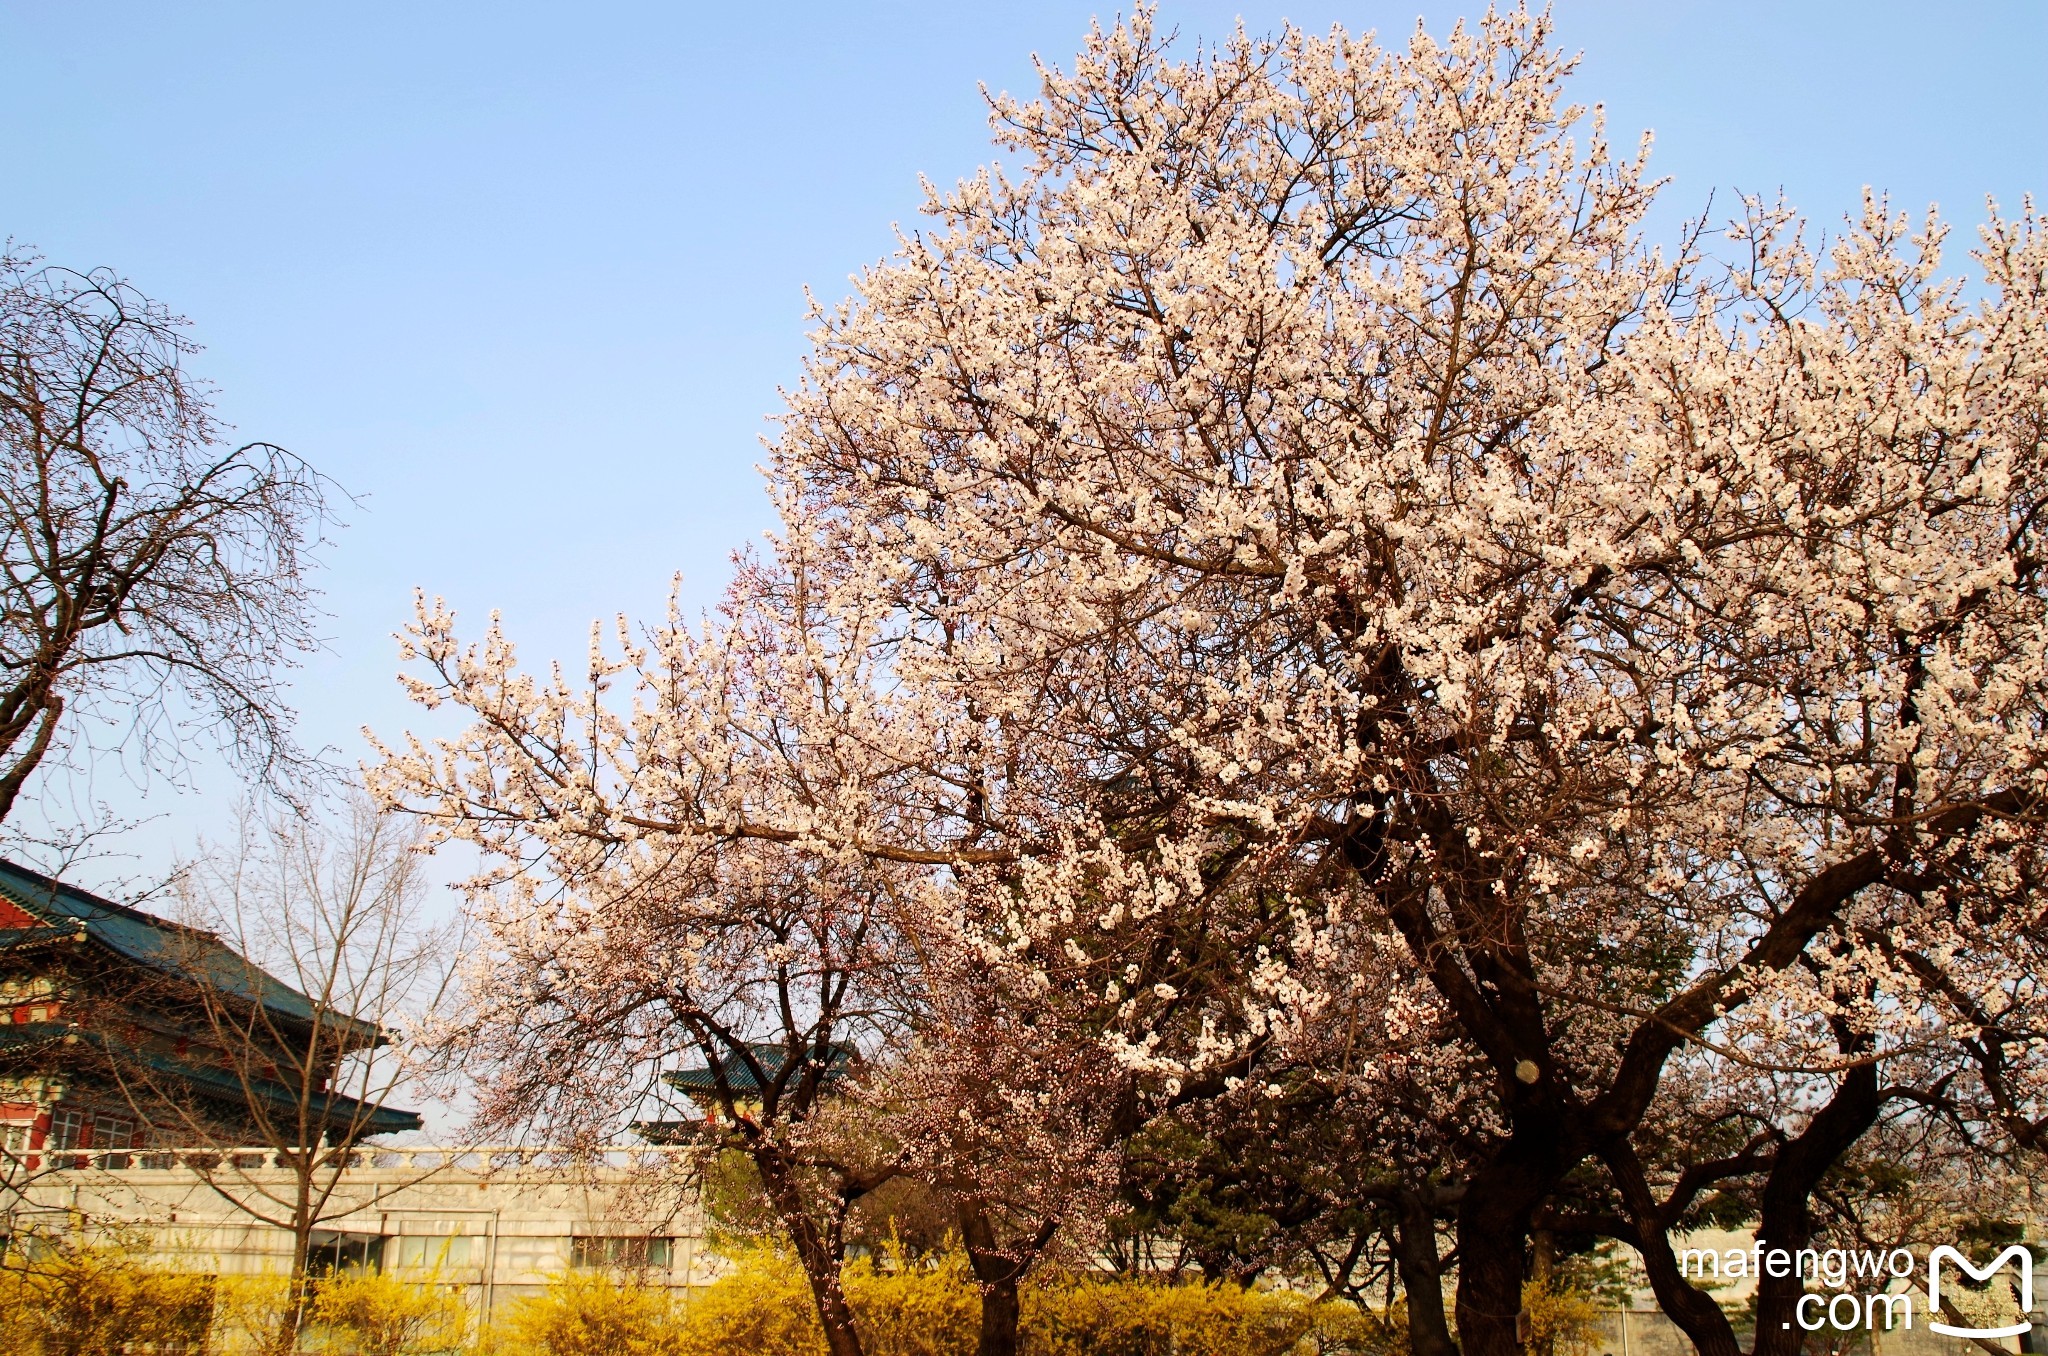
100 1026
110 1022
700 1085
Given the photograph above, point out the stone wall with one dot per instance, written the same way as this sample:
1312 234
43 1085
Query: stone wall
497 1223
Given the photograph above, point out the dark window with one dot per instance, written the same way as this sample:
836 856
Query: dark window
339 1252
113 1132
619 1252
66 1129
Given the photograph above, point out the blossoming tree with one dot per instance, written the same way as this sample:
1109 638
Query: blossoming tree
1305 437
1292 514
615 946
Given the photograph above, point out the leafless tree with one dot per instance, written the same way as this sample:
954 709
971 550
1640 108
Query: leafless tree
312 942
153 574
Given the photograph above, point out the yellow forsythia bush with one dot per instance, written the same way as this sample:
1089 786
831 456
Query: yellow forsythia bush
906 1308
1562 1321
369 1313
1083 1316
88 1301
62 1299
590 1313
248 1310
763 1305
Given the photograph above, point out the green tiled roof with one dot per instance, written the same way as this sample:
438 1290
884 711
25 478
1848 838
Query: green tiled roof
740 1079
334 1109
670 1132
158 943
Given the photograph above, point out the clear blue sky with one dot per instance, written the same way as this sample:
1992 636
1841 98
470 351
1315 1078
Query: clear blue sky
528 277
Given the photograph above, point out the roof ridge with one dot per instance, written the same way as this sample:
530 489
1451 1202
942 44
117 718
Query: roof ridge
79 892
167 946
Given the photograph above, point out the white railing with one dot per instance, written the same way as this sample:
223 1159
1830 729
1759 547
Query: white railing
479 1159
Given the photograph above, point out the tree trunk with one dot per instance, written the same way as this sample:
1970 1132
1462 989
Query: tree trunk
999 1317
819 1250
996 1273
284 1338
1692 1309
1493 1227
1422 1277
1489 1283
1542 1270
1786 1218
16 776
298 1287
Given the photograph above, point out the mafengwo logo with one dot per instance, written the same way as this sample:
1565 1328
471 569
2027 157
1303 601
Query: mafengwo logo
2017 1254
1873 1305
